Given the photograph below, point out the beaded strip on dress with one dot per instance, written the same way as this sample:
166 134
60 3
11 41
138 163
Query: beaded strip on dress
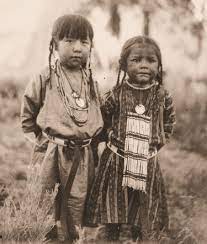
138 132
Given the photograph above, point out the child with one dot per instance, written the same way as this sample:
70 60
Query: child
138 116
61 108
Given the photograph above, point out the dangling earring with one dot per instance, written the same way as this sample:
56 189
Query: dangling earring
159 69
56 57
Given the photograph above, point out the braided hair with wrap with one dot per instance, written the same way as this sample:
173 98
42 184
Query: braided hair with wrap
143 41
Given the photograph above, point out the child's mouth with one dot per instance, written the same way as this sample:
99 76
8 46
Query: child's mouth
143 74
76 57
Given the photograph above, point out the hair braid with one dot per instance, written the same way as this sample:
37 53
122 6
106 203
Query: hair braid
123 78
118 77
51 47
91 81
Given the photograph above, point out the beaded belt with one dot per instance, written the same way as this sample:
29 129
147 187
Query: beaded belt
68 143
120 152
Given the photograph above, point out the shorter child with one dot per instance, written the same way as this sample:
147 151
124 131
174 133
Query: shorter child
61 108
139 118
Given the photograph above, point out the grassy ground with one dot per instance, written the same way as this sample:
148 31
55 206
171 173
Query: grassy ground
186 179
185 175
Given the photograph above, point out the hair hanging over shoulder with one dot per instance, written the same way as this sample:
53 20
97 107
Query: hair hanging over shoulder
126 49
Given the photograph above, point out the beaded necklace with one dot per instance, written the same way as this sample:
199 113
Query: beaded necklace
78 113
80 102
140 108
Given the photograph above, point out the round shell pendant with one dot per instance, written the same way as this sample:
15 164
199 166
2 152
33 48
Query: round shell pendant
75 94
80 102
140 109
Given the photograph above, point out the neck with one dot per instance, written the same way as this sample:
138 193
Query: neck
139 86
73 76
71 69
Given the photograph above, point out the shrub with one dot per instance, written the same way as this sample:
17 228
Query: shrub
26 216
10 99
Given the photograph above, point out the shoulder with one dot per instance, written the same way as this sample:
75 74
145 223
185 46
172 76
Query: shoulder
168 95
39 79
114 91
168 99
45 74
164 93
108 95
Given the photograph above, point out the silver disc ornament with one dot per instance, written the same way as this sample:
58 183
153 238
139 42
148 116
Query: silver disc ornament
140 109
80 102
75 94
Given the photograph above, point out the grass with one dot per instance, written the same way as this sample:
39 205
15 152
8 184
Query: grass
26 215
183 163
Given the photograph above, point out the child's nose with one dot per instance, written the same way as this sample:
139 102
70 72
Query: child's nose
144 63
77 46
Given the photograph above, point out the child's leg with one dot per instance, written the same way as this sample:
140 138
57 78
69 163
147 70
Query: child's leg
125 232
136 233
130 232
112 232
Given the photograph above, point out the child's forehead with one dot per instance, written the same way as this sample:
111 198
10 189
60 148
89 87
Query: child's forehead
142 49
74 33
76 37
75 27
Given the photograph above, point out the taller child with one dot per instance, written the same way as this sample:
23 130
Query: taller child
61 108
138 120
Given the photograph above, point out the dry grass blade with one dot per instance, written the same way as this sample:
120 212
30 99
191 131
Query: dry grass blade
22 216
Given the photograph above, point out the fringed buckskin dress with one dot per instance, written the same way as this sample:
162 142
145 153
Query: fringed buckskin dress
110 202
44 111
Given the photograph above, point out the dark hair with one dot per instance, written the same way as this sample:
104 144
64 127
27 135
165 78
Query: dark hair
126 49
74 26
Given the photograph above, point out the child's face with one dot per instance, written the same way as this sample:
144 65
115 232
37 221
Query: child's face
142 64
73 53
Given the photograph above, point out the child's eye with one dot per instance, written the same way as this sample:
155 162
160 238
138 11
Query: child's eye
138 59
85 42
69 40
151 59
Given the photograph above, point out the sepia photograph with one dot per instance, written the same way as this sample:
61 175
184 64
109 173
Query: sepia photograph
103 121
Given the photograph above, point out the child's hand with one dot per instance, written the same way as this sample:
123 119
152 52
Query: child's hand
152 153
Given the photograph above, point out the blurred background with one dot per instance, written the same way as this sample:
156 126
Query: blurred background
179 27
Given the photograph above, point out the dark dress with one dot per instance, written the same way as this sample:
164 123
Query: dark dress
109 202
